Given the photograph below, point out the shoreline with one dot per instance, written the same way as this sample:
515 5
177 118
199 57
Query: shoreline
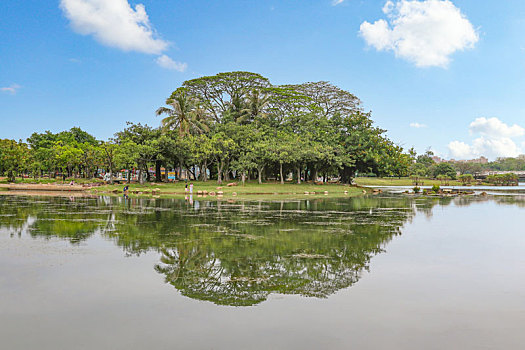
202 190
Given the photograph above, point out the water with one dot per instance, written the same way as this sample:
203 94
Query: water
367 273
477 189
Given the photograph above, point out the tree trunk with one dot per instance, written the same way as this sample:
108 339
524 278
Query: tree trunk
204 171
298 175
227 174
141 178
158 175
180 169
243 177
220 165
260 170
281 172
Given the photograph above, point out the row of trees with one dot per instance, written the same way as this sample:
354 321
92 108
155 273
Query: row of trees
72 153
231 125
507 164
503 179
425 166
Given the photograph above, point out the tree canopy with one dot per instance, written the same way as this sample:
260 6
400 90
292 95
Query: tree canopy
234 125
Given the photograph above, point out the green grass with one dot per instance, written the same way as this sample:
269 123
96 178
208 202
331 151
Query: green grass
19 180
251 189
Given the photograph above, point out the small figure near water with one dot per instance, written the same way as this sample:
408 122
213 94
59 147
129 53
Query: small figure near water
191 188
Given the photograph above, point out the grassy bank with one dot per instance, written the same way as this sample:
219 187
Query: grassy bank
58 181
250 189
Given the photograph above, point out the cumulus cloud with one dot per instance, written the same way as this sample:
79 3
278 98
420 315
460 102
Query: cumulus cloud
115 23
495 140
494 127
417 125
12 89
425 32
166 62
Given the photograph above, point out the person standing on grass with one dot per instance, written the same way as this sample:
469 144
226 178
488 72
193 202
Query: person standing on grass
191 188
186 189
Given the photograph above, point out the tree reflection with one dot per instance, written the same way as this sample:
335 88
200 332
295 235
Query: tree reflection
227 252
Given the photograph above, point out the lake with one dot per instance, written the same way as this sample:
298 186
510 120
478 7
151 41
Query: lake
374 272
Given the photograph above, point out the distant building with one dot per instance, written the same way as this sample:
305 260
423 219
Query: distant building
480 160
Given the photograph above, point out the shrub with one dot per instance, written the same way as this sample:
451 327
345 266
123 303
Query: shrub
435 188
416 189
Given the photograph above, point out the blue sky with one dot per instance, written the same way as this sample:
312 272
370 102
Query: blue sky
436 73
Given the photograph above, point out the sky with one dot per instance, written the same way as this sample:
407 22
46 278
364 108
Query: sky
437 74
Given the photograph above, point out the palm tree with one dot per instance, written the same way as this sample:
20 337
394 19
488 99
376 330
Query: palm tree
184 114
246 107
255 105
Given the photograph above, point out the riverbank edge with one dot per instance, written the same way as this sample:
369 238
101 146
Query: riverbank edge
155 190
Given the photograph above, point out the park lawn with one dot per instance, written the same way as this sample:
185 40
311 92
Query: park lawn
250 189
404 181
30 180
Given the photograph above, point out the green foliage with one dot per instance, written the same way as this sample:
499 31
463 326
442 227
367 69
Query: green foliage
503 179
466 179
233 125
445 169
426 159
436 188
507 164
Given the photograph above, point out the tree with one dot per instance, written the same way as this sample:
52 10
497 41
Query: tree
185 114
222 147
14 156
466 179
225 92
142 143
108 152
444 169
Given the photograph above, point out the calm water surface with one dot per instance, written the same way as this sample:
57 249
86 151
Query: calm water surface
389 272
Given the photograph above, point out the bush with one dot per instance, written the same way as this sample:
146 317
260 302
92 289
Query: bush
436 188
466 178
416 189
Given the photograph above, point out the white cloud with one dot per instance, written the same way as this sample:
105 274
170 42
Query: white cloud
494 127
495 140
337 2
425 32
166 62
417 125
12 89
114 23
